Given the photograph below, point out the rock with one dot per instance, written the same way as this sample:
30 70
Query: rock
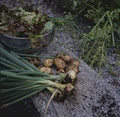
93 97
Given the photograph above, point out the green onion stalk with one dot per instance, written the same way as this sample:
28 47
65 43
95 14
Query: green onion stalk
20 79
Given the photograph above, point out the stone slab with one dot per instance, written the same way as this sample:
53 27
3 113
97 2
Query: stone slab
93 97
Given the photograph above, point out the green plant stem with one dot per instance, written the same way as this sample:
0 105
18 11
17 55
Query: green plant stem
36 56
31 65
2 59
41 76
16 76
17 88
17 95
53 84
113 39
33 73
96 41
90 6
8 66
99 21
14 59
22 98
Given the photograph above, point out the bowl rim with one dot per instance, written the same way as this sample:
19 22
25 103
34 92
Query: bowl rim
25 38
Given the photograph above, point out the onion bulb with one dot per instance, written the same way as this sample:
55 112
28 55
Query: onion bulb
75 61
70 77
69 87
46 70
71 74
64 56
48 62
60 64
60 71
72 67
35 61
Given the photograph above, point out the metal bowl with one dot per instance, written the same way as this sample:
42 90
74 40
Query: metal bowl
23 45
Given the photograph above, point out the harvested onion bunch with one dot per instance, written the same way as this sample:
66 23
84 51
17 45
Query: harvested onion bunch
64 56
60 64
64 63
46 70
72 67
75 62
21 79
48 62
71 76
35 61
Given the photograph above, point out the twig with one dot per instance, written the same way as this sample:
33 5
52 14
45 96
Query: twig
48 104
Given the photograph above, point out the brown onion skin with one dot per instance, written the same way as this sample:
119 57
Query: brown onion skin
60 71
60 64
35 61
59 54
71 77
72 67
48 62
72 74
46 70
64 56
75 61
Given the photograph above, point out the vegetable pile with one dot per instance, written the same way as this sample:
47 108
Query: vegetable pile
20 79
19 20
62 63
24 22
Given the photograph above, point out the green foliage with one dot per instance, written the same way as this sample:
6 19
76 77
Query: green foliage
19 20
102 35
48 27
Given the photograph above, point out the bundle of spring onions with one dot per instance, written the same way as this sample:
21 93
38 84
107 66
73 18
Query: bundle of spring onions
21 79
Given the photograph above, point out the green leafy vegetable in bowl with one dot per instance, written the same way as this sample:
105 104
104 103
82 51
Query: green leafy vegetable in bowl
18 22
